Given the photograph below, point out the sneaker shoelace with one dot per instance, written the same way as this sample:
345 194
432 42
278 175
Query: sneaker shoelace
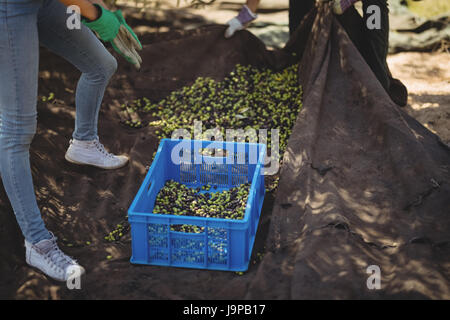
100 147
57 258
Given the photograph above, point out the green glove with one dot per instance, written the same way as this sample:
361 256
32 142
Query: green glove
106 26
126 42
122 22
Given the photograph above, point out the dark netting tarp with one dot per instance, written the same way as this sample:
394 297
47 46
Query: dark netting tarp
362 183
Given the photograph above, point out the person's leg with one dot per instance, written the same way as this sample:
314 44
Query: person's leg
297 11
82 49
379 38
19 56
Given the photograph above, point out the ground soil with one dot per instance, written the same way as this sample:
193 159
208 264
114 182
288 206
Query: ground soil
427 77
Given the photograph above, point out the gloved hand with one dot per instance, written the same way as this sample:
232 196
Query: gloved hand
240 22
126 43
106 26
111 27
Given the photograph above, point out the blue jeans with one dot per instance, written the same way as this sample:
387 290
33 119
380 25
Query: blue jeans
23 25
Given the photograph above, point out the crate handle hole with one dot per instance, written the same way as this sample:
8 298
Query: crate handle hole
187 228
213 152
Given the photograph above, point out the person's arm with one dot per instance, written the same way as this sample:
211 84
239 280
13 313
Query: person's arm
245 16
110 27
253 5
87 9
101 3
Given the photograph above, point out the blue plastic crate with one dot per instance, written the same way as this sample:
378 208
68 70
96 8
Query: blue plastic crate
222 244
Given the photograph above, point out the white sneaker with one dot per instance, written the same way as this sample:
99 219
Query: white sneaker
93 153
47 257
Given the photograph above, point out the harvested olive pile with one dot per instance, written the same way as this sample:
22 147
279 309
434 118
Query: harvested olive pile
117 234
249 98
178 199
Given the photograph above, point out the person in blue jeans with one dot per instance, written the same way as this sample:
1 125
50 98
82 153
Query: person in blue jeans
24 24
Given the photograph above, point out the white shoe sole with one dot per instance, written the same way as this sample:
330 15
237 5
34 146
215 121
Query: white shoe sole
82 272
94 165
